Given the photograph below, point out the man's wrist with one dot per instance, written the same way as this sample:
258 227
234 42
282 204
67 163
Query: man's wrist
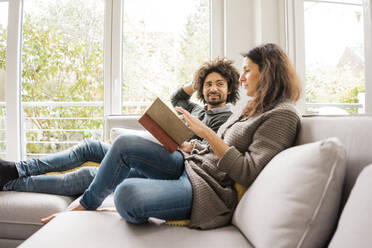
189 89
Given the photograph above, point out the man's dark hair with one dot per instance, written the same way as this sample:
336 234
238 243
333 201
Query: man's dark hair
225 68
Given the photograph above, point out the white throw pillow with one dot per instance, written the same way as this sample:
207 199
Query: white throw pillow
294 201
355 224
115 132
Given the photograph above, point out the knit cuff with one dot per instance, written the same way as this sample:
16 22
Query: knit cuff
198 145
228 159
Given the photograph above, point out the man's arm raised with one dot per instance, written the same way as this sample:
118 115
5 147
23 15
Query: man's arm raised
189 89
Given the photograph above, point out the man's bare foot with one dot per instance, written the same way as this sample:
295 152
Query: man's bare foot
51 217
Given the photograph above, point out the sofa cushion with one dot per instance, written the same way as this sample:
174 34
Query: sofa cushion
294 201
354 133
106 229
10 243
355 224
21 212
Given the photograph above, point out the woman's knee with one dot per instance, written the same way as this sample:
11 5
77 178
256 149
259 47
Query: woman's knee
127 144
125 140
128 199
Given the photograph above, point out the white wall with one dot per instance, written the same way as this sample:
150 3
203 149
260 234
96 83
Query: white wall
251 23
248 23
238 29
368 54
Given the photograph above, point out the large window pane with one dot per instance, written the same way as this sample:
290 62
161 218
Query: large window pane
334 52
164 42
62 73
3 33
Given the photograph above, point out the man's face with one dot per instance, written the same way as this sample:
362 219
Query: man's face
215 90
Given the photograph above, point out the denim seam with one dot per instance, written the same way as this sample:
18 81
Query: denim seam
152 165
101 196
100 146
157 211
20 170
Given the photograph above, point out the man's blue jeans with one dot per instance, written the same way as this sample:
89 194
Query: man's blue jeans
148 181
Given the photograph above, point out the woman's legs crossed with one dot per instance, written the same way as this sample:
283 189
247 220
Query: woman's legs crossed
138 199
131 152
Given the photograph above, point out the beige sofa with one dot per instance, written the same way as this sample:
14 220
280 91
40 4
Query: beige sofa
295 202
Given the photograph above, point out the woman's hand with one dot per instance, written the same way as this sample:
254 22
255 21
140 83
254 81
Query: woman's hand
194 123
51 217
217 144
186 147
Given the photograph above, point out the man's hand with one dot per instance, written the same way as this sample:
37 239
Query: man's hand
186 146
193 85
189 89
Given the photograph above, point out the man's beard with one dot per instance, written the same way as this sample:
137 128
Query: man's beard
216 102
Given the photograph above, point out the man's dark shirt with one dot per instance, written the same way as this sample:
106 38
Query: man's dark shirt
212 118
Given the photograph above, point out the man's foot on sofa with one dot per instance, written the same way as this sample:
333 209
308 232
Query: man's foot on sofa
8 172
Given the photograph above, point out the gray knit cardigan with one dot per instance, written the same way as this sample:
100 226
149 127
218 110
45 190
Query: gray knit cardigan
252 142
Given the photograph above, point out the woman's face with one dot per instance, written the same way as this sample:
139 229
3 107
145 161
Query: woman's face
250 76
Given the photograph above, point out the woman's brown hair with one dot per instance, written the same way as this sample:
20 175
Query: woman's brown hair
226 69
278 81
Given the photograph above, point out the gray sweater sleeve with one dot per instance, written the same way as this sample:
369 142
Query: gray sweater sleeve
276 133
182 99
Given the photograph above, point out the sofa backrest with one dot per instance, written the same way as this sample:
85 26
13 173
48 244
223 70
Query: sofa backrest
354 132
120 121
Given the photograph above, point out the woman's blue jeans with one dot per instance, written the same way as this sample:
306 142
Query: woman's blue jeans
148 181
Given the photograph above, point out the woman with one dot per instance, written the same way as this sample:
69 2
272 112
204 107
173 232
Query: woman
196 182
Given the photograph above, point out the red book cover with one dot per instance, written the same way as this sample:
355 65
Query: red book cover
158 132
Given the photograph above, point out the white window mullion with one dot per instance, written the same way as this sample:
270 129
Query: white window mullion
292 39
368 54
116 57
107 86
217 28
299 48
13 96
112 57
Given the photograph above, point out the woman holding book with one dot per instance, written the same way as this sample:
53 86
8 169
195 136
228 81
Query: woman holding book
197 181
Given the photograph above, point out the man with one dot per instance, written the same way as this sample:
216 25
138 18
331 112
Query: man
216 83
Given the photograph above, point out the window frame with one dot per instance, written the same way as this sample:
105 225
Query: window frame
113 73
14 138
15 145
294 42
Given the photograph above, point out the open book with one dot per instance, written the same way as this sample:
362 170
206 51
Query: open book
165 125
